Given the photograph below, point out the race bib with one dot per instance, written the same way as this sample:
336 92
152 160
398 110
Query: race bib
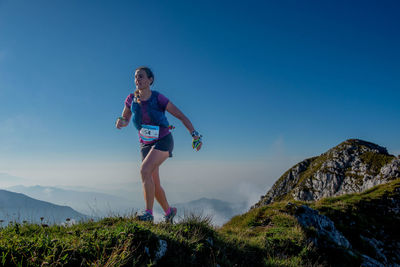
149 132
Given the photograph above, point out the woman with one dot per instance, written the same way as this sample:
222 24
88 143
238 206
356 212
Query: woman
156 142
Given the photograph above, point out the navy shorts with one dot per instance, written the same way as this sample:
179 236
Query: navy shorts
164 144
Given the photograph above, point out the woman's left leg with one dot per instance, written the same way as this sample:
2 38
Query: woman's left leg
159 191
152 161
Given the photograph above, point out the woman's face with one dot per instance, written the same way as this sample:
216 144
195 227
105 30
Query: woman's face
141 80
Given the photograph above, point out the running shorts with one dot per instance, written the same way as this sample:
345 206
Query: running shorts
164 144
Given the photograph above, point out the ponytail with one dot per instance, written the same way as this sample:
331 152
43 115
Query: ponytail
136 95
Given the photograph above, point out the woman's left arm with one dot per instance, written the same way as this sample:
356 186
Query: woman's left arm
171 108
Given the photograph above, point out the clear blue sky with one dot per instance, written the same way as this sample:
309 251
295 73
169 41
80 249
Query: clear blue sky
259 79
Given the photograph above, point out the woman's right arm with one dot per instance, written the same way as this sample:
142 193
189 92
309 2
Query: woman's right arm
126 115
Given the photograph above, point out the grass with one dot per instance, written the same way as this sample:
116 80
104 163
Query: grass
121 241
273 231
114 241
268 238
375 161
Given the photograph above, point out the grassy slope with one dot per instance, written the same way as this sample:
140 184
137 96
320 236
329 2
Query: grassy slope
371 214
121 242
274 229
266 236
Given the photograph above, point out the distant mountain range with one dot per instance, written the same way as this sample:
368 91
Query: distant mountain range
101 204
91 203
18 207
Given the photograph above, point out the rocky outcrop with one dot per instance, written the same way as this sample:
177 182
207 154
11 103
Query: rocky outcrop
351 167
371 224
325 233
359 226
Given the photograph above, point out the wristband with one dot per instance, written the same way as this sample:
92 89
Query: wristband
195 133
122 118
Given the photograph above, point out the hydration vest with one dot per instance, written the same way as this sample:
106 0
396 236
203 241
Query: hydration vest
157 115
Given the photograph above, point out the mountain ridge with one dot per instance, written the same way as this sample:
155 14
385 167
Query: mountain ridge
352 166
87 202
17 207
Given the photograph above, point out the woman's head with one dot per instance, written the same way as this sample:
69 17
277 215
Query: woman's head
144 77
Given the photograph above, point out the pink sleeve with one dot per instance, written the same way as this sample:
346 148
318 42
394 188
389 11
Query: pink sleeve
128 101
162 101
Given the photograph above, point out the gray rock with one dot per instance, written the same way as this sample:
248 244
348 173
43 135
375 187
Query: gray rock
378 246
324 227
370 262
162 249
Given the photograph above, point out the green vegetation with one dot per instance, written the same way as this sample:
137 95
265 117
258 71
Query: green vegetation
266 236
110 242
123 241
275 230
375 161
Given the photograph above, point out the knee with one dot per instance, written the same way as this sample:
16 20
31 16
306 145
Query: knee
145 172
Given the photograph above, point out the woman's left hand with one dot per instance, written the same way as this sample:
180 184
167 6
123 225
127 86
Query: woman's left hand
197 143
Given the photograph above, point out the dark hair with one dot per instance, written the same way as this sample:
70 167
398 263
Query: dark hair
149 74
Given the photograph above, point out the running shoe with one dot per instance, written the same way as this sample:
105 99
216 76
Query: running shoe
170 217
145 216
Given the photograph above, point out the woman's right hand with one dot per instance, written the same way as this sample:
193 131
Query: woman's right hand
121 122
